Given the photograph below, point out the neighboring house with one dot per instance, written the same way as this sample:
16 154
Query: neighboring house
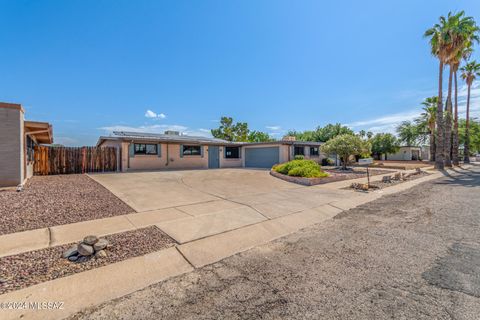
408 153
17 141
149 151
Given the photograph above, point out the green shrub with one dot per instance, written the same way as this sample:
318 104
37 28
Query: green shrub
299 157
300 168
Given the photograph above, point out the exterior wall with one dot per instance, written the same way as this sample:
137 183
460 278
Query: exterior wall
169 159
306 153
404 154
11 145
230 163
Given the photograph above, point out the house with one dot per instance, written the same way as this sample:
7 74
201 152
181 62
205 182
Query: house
17 141
409 153
171 150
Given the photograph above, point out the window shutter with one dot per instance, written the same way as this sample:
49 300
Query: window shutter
240 152
131 150
201 151
181 151
159 150
306 151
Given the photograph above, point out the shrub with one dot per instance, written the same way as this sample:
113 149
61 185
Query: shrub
327 162
300 168
299 157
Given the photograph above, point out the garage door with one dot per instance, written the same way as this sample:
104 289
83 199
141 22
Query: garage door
261 157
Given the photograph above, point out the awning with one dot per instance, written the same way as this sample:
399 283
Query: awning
42 132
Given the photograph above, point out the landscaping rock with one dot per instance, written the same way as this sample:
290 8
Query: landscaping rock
418 170
85 249
82 259
70 252
397 176
100 245
101 254
73 258
90 240
387 179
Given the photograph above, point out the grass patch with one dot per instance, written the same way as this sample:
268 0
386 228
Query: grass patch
301 168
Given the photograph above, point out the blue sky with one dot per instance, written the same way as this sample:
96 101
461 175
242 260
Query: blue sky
89 67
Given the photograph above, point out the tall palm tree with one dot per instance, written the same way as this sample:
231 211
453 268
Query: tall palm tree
439 45
447 38
469 73
428 119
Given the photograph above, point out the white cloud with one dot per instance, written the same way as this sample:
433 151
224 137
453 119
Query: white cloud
153 115
274 128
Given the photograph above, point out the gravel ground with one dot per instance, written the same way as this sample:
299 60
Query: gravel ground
26 269
54 200
382 185
412 255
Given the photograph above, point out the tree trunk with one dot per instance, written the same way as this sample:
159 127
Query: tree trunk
448 122
466 150
432 144
439 133
455 158
345 161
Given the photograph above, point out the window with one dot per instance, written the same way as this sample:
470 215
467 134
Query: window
141 148
192 150
298 151
30 149
232 152
314 151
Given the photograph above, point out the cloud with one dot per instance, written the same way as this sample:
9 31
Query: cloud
153 115
273 128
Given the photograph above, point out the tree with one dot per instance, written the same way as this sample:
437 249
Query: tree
426 122
345 146
322 134
408 133
384 143
231 132
258 136
474 134
302 136
469 72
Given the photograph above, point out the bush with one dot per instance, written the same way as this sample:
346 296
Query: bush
327 162
299 157
300 168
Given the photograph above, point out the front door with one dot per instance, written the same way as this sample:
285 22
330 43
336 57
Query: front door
213 157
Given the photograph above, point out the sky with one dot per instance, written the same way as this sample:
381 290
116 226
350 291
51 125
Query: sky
93 66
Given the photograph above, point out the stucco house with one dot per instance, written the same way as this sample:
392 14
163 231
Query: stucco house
407 153
17 141
171 150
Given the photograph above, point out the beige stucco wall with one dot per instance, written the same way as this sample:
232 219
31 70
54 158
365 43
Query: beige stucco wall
229 163
404 154
11 146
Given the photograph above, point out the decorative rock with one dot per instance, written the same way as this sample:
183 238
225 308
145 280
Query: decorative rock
418 170
100 245
85 249
90 240
70 252
387 179
73 258
100 254
82 259
397 176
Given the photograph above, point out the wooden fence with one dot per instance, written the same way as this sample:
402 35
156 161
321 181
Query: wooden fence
66 160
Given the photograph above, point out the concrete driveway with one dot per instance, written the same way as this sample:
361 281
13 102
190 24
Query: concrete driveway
194 204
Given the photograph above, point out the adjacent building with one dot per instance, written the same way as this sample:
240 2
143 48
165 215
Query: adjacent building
171 150
18 139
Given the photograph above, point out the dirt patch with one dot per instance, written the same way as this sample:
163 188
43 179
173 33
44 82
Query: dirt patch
30 268
55 200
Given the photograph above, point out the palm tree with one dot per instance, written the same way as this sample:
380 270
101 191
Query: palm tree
427 119
408 133
439 48
447 38
469 73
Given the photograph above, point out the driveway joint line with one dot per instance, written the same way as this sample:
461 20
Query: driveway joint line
184 257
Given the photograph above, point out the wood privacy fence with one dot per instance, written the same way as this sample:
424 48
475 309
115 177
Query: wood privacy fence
66 160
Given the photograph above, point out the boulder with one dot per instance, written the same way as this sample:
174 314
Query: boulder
90 240
85 249
100 245
397 176
387 179
70 252
82 259
101 254
73 258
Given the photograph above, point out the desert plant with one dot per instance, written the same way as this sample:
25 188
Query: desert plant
299 157
344 146
300 168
